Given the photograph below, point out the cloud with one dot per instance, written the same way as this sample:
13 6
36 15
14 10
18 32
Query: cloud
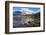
26 10
29 11
36 11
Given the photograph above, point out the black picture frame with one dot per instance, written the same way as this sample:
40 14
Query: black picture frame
7 16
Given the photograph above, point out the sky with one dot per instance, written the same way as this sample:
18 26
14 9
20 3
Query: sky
32 9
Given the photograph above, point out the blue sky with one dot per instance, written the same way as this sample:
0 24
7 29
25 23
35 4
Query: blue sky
33 9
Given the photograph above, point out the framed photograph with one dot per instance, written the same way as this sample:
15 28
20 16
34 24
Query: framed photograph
24 17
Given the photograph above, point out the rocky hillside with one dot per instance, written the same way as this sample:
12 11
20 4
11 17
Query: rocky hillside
36 22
